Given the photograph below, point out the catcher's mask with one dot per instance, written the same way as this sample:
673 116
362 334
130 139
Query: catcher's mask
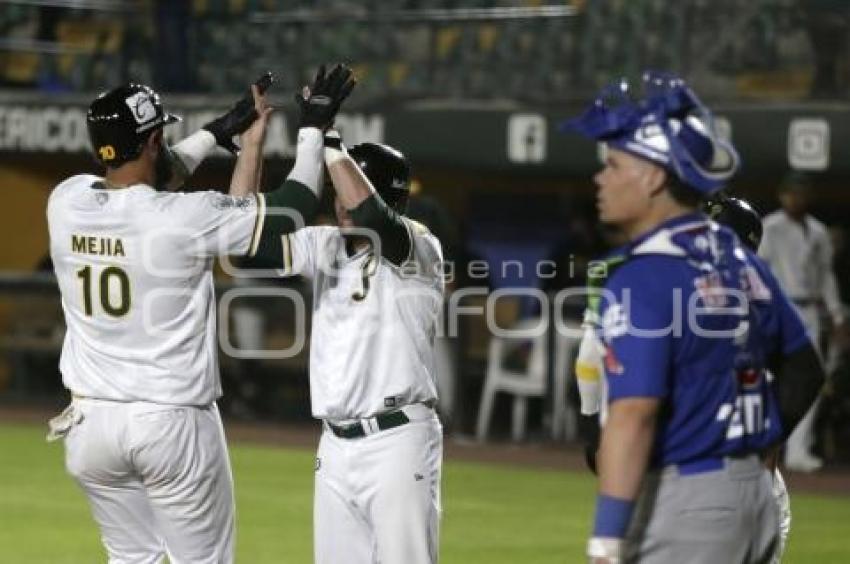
668 125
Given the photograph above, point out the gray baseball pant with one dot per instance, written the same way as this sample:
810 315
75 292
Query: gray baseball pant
724 516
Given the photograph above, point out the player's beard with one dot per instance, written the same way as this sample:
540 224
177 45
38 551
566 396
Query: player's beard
164 168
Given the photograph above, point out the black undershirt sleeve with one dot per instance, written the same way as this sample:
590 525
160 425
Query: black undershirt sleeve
373 213
287 208
799 379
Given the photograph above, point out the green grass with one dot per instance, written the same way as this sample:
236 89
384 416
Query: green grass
492 514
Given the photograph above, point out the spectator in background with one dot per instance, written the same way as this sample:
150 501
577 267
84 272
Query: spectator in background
827 24
173 19
49 76
48 20
799 251
834 415
841 260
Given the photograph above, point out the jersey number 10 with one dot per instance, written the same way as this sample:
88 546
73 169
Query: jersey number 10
110 272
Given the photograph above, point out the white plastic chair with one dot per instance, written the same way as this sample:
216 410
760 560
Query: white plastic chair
525 383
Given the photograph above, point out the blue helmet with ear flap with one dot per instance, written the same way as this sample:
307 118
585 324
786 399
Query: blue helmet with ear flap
667 125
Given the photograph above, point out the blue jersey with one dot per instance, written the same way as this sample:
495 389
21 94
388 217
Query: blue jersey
692 317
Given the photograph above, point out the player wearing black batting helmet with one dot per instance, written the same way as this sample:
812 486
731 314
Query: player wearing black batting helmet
106 232
377 405
121 120
742 218
737 214
387 170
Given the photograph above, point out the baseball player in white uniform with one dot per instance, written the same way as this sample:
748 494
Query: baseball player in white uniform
798 250
372 366
143 437
377 294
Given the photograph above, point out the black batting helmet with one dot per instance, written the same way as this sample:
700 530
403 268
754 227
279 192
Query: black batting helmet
121 120
739 215
387 170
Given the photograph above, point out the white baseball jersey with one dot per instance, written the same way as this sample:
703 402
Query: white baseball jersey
801 259
374 324
134 267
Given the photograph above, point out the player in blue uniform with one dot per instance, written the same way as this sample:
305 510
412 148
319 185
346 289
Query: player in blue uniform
691 322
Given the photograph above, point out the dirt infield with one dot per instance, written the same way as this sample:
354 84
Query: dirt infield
553 456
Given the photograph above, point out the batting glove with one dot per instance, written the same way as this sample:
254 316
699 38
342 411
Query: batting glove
319 102
238 118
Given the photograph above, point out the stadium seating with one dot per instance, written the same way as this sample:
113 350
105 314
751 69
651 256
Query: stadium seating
747 47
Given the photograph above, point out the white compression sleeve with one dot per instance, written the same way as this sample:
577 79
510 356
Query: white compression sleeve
194 149
336 152
309 163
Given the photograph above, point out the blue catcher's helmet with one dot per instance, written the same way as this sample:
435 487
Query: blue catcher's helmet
668 126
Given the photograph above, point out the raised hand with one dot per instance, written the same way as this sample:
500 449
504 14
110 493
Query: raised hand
239 117
319 102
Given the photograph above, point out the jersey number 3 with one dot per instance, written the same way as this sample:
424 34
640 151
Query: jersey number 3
106 278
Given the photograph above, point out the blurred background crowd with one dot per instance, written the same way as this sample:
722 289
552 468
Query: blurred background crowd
522 50
445 81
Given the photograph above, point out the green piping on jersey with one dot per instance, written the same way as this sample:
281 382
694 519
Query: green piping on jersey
259 222
596 280
288 208
287 253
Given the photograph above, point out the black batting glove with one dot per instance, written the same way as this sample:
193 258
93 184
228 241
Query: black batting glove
590 455
319 103
589 433
238 118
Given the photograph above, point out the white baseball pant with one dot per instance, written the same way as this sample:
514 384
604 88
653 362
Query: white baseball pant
377 498
157 478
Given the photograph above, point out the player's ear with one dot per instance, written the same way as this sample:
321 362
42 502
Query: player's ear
652 178
656 179
154 141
